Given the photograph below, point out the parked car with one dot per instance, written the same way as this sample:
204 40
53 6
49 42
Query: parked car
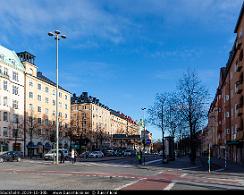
109 152
52 153
84 154
10 156
119 152
96 154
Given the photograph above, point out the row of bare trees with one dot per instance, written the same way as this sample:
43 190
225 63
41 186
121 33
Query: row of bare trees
183 112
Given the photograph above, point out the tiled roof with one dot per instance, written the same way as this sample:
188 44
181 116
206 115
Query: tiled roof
10 58
47 80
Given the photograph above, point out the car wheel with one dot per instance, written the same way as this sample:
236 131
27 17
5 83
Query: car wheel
1 160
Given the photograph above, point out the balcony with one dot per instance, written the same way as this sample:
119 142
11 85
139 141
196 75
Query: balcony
238 86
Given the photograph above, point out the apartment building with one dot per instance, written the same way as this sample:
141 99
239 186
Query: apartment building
94 124
90 122
11 101
229 102
40 110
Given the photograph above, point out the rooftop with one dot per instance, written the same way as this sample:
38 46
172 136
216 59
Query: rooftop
47 80
10 58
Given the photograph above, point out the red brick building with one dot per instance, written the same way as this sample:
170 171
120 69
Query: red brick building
225 121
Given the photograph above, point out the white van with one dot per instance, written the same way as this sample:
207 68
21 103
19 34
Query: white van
52 153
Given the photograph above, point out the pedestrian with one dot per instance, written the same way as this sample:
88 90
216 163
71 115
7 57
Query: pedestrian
140 153
73 156
138 156
62 157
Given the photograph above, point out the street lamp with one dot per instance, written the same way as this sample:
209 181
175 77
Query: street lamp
144 143
57 36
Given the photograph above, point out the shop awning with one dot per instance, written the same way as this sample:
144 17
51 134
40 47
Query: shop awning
31 145
47 146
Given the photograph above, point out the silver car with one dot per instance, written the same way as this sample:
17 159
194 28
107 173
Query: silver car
96 154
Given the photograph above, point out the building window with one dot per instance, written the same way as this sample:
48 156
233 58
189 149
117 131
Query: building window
227 98
39 121
53 102
46 89
66 116
227 131
15 76
15 90
5 101
5 71
1 56
46 100
31 107
60 105
227 114
39 109
15 118
66 106
46 111
30 95
60 114
46 121
5 85
5 132
15 104
39 98
66 97
54 113
60 94
39 86
5 116
54 92
30 83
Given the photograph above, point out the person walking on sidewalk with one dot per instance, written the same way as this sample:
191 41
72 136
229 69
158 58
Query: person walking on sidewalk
73 156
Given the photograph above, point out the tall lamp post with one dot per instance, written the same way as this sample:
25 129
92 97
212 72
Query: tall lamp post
144 130
144 140
57 36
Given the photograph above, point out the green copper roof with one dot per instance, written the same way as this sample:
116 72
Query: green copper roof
10 58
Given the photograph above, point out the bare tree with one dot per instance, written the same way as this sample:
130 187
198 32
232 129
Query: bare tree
172 119
192 97
157 115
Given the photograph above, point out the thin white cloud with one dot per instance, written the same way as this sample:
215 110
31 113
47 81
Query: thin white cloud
76 18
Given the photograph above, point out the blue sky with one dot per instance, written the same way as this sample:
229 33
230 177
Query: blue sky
124 52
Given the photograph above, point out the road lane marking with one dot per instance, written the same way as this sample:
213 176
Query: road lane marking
218 170
129 184
170 186
153 161
183 175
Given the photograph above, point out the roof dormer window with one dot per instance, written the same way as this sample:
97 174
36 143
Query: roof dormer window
1 56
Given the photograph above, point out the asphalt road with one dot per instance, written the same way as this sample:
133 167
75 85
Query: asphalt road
120 174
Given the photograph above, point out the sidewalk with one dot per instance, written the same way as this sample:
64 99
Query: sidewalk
99 159
219 164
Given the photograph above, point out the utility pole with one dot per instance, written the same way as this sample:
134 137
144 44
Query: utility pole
162 121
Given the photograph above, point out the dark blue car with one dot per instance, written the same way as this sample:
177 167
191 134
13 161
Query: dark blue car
11 156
